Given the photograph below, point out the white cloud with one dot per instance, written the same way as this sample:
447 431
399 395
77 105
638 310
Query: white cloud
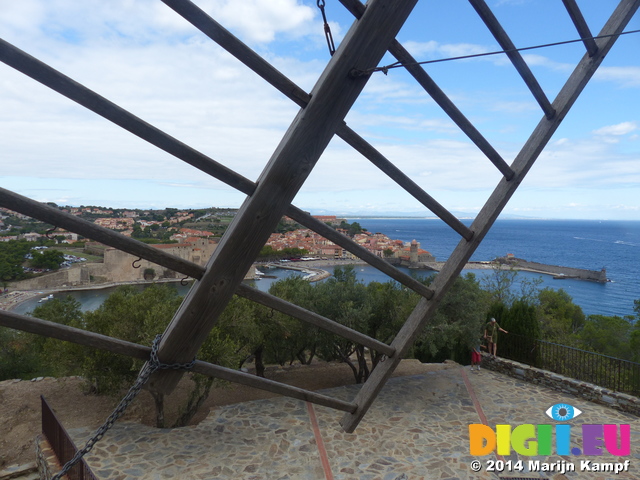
623 128
624 76
260 21
434 50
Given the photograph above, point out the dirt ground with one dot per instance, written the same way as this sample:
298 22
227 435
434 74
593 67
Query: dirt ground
20 402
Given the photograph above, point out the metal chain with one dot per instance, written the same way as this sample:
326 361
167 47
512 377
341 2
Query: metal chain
147 370
327 29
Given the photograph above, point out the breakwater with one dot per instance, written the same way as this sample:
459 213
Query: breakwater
557 271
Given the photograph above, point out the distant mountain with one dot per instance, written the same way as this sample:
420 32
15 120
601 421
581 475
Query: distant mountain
405 214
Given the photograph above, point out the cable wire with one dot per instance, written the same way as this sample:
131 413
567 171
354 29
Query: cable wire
399 64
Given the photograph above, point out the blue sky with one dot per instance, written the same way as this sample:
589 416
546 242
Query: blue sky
146 58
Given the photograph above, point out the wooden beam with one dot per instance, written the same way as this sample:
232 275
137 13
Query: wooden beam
581 25
313 319
505 42
356 8
122 347
286 171
492 208
207 25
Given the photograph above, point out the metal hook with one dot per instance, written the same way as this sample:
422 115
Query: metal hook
184 282
133 264
48 232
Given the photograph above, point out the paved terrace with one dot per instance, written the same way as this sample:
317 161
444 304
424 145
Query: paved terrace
417 429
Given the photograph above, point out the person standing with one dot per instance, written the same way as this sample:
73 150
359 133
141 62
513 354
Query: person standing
476 356
491 334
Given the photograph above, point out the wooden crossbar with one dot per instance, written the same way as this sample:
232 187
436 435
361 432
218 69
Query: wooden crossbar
492 208
581 26
46 213
130 349
521 66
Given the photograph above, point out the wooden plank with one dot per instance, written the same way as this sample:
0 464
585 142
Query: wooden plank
313 319
521 66
122 347
286 171
46 213
80 94
207 25
581 25
492 208
356 8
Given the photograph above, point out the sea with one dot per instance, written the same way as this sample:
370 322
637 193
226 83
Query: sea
588 244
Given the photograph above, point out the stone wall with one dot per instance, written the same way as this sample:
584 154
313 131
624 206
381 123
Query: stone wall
619 401
46 459
118 266
73 276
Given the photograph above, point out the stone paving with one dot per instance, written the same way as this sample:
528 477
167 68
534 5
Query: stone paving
416 429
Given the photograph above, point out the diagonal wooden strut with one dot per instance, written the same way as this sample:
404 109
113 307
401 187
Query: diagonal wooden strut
581 25
492 208
505 42
286 171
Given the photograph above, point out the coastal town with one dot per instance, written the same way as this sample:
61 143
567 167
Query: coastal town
189 234
193 235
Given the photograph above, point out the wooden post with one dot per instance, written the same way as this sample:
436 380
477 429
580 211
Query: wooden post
307 137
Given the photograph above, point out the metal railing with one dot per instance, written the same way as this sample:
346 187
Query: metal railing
62 445
608 372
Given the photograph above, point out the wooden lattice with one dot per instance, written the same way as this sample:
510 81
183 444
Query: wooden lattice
321 116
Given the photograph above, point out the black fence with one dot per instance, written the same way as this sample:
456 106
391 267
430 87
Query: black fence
608 372
62 445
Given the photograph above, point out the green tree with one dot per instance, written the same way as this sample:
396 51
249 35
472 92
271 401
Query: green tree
63 358
457 323
343 299
560 318
136 316
524 330
48 259
499 284
608 336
